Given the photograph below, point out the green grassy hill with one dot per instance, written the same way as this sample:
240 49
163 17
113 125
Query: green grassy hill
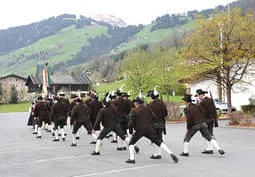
58 48
145 36
68 42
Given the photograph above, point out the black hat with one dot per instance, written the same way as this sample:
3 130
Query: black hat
124 94
79 100
138 100
153 94
119 92
112 95
40 98
200 91
74 96
187 97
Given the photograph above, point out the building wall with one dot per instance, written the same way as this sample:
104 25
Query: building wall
241 92
19 84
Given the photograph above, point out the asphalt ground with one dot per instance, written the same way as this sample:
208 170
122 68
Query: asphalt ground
22 155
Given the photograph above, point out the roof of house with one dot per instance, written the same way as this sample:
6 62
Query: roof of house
13 75
61 79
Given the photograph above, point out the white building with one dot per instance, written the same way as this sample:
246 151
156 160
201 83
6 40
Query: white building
240 94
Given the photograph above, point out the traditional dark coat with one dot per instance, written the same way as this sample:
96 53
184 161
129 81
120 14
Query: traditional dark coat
159 109
195 114
59 111
80 114
107 116
140 119
208 105
42 111
95 107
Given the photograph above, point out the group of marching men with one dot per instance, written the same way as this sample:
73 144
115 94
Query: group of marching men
128 120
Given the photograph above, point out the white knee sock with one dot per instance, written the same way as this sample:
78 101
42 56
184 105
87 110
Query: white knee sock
164 146
73 139
121 143
56 134
131 152
215 144
209 146
77 134
186 147
94 136
158 151
98 144
36 128
62 133
39 131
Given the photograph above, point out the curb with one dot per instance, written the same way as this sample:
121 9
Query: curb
239 127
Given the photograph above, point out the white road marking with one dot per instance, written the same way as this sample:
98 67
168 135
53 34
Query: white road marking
119 170
43 160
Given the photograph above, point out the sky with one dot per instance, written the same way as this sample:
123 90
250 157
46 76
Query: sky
133 12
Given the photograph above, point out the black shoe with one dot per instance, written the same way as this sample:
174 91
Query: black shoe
175 159
155 157
39 137
48 131
63 139
59 134
207 152
184 154
221 152
73 144
53 134
34 133
137 149
65 134
95 153
119 149
55 140
114 141
124 148
93 142
130 161
77 137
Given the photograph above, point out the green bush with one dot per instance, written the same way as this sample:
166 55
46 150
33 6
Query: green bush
248 109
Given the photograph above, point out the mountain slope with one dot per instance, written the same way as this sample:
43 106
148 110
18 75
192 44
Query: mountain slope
56 48
67 41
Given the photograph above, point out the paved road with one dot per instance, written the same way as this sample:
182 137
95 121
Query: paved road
22 155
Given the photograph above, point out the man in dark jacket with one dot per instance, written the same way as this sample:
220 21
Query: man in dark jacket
71 106
94 106
141 122
41 113
122 108
159 112
79 117
110 121
210 116
59 116
195 116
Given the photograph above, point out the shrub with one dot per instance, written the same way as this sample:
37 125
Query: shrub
236 117
173 111
249 109
239 118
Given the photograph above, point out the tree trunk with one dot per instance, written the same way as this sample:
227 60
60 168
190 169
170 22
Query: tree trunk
219 86
229 98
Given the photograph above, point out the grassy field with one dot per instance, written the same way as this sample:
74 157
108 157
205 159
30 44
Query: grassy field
60 48
20 107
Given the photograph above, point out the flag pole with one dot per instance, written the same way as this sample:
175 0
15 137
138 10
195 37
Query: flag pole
45 80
